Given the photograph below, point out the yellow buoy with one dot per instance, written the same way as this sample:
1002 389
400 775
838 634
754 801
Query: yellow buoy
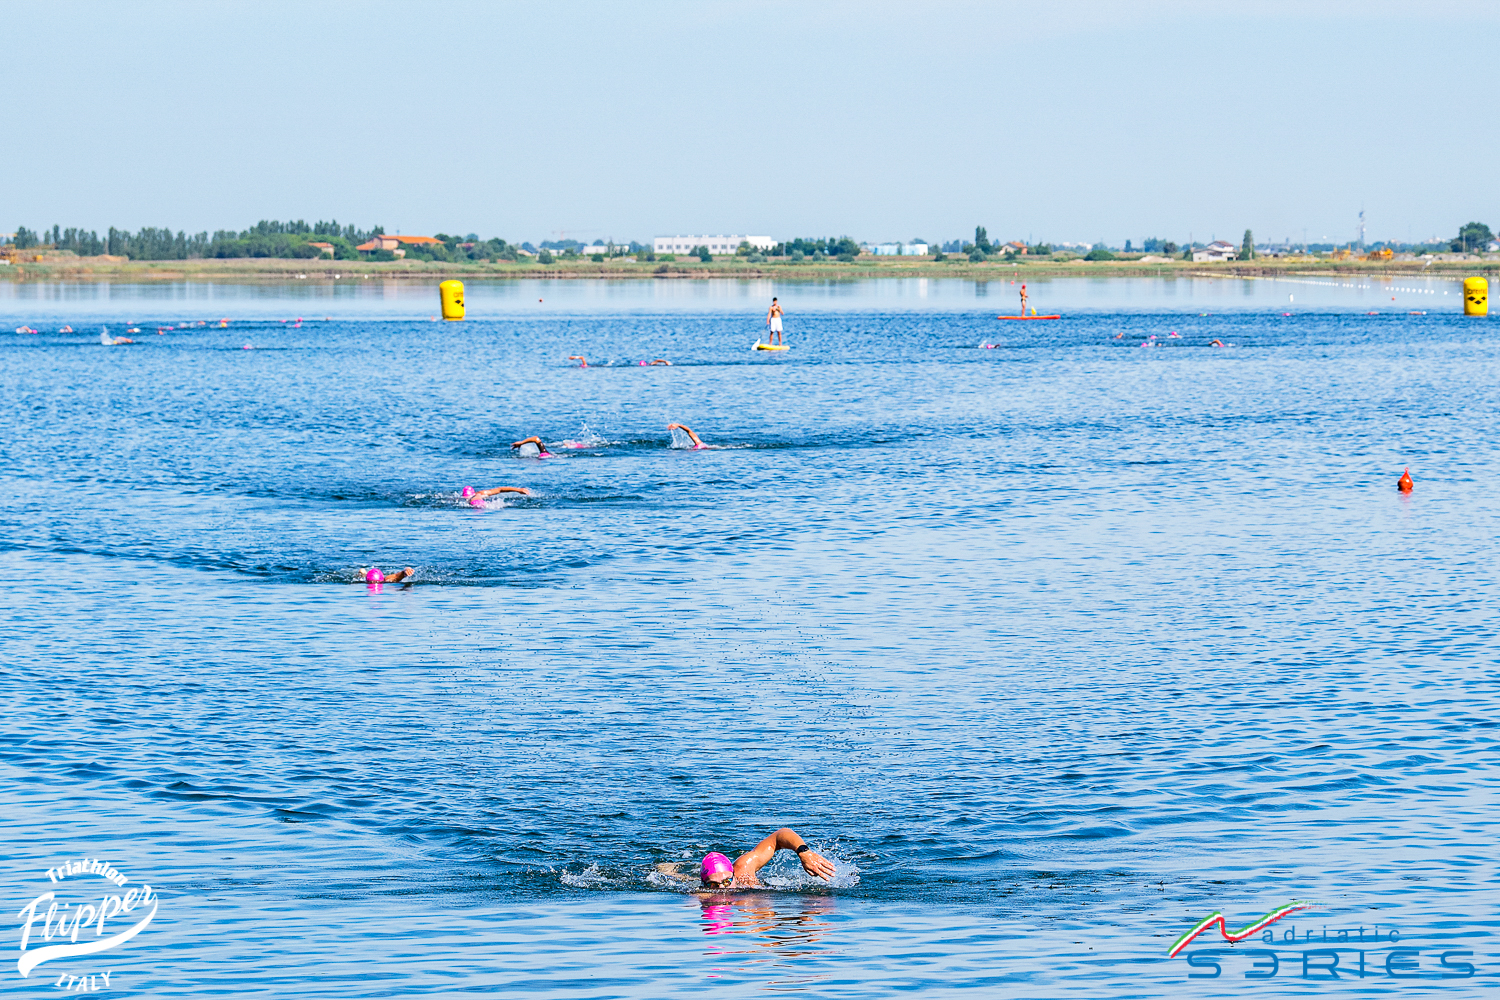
452 295
1476 297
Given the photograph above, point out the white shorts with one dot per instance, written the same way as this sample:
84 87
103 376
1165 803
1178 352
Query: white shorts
775 324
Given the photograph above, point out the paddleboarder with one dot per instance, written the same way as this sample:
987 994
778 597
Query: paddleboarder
1024 297
773 320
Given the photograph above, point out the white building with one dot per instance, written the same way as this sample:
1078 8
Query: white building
897 249
589 251
715 244
1218 250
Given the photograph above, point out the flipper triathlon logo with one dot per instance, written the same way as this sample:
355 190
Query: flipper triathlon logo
1254 927
84 927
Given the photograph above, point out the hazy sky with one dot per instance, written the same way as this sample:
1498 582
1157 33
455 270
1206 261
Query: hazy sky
1059 121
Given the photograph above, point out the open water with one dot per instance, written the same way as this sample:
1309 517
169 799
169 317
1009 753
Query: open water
1055 648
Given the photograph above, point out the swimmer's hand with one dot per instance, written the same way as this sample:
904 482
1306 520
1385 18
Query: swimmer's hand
816 865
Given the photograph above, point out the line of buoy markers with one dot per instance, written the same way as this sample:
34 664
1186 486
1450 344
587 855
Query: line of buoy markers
1347 284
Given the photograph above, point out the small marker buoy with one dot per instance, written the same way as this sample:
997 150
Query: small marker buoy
1405 484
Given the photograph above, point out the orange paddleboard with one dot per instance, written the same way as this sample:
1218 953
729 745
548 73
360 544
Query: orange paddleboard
1029 317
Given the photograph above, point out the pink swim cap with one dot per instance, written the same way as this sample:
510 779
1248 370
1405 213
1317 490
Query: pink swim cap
715 865
468 491
476 502
373 575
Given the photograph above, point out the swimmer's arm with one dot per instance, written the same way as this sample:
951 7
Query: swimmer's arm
494 490
401 574
785 839
531 440
688 431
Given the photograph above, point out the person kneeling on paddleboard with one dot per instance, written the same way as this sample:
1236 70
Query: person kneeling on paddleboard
717 872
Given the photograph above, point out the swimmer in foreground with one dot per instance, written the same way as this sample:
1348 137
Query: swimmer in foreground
697 441
716 872
477 498
531 447
373 575
470 491
582 361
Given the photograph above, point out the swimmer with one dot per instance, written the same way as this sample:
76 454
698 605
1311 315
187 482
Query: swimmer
659 361
718 873
582 361
697 441
373 575
477 498
531 447
1216 343
773 321
106 340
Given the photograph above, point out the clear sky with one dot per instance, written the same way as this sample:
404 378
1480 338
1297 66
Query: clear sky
1059 121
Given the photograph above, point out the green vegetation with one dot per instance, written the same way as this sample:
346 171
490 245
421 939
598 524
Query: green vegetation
701 252
287 240
816 248
1099 252
1247 247
1472 236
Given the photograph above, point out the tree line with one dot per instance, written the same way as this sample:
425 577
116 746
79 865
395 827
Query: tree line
266 238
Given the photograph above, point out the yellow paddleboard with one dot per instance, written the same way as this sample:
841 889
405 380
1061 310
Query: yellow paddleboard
770 347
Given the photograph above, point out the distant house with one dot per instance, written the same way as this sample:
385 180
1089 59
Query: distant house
1016 247
589 251
715 244
397 244
1218 250
323 248
898 249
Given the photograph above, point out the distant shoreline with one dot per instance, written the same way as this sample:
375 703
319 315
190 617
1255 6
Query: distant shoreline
259 270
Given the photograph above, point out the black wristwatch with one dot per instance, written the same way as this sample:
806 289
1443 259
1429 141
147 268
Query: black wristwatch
804 847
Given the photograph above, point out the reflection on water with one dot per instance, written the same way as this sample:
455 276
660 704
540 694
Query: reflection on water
759 933
357 296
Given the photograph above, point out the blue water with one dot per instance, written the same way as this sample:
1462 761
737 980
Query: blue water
1055 648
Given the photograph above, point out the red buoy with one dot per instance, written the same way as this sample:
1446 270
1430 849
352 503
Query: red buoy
1404 484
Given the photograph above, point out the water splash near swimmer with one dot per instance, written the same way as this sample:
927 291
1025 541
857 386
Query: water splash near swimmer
587 438
682 440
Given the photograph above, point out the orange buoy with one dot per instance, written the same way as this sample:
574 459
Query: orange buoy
1404 484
